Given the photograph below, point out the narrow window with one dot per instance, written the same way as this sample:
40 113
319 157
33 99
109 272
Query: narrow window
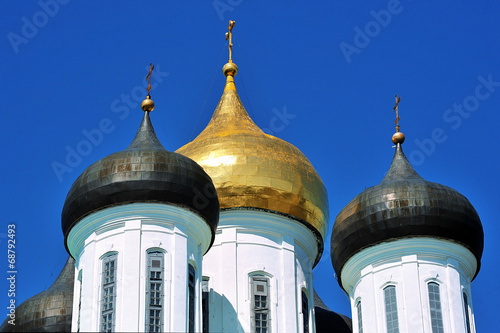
191 290
260 304
154 292
205 292
108 293
360 318
305 312
80 274
435 308
391 309
466 309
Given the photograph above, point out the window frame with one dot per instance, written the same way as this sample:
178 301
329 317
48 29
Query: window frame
159 282
205 303
191 300
259 312
111 287
437 322
305 306
80 280
393 310
467 312
359 314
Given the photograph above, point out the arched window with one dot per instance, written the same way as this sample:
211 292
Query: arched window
466 310
360 318
191 296
305 312
108 293
435 308
154 292
261 313
391 309
205 292
80 278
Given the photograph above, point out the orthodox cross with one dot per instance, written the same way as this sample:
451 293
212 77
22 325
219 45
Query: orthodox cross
395 108
148 77
229 35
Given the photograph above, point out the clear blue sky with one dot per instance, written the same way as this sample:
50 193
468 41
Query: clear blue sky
333 67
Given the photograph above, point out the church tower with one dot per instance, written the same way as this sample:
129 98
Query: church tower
273 222
406 251
138 223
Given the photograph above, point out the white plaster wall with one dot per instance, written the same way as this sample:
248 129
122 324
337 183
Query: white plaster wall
256 242
130 231
410 264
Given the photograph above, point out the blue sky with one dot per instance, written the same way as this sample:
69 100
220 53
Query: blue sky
72 70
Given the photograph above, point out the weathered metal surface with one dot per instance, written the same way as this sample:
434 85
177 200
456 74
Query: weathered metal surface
144 172
328 321
50 310
253 169
404 205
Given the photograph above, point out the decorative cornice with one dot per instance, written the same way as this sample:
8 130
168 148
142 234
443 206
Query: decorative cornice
427 250
114 218
275 225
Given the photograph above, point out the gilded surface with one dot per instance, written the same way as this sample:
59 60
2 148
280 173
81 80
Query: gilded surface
250 168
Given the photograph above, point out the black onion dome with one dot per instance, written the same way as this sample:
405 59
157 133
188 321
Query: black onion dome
144 172
328 321
49 311
404 205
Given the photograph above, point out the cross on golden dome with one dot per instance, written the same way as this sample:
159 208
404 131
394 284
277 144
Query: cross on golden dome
229 35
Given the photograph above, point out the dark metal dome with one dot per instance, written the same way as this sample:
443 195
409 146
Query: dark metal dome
49 311
144 172
404 205
328 320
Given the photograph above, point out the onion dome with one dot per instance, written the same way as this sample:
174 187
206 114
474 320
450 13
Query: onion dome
144 172
404 205
328 321
252 169
50 310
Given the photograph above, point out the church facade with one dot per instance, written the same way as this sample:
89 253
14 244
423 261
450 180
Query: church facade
223 234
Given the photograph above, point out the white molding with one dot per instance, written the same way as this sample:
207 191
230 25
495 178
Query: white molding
389 254
255 222
114 220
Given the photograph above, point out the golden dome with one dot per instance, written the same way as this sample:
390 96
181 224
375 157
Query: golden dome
250 168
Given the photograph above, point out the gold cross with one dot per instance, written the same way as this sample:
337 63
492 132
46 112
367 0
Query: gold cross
229 35
395 108
148 77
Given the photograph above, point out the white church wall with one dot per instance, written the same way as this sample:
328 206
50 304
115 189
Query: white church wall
248 243
130 231
410 265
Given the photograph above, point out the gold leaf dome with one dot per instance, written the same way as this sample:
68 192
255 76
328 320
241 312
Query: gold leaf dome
252 169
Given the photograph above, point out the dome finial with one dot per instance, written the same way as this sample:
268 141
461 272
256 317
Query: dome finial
230 69
148 105
229 35
398 137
